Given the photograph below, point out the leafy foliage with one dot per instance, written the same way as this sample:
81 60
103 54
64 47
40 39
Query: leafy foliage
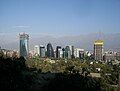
62 75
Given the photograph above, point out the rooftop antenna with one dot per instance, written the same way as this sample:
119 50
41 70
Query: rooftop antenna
99 35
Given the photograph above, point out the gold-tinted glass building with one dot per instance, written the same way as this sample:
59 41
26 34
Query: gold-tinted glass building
98 50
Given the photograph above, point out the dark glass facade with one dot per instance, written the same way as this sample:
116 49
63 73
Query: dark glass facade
67 52
50 51
58 51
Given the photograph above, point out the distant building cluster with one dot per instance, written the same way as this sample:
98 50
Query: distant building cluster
9 53
67 52
48 51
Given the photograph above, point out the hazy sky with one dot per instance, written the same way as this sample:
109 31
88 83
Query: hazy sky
59 17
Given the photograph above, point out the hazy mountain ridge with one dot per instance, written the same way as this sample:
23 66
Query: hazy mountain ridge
111 41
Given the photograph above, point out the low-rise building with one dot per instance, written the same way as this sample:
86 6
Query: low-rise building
95 75
109 56
118 55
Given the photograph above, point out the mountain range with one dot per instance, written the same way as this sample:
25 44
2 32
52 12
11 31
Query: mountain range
85 41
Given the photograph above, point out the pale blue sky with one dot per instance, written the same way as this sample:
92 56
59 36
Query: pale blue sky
59 17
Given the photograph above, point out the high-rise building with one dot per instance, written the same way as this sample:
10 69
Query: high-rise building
42 51
37 50
67 52
72 51
63 52
58 48
50 51
54 53
98 50
24 44
79 53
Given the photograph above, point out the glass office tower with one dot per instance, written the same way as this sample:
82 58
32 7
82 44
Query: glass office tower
58 49
67 52
50 51
24 44
42 51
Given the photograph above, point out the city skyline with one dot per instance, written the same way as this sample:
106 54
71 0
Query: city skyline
81 41
60 45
